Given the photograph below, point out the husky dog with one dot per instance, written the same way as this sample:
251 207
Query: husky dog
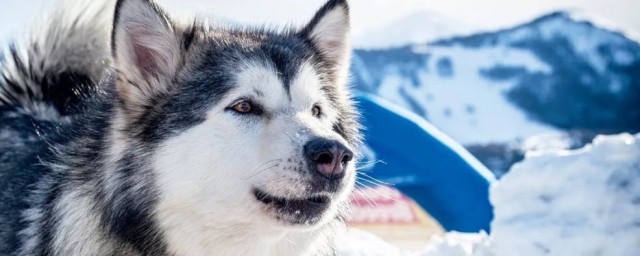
175 138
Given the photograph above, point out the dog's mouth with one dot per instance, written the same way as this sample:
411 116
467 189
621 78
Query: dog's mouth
287 202
307 210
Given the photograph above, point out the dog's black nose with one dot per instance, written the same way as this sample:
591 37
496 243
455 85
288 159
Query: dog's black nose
328 158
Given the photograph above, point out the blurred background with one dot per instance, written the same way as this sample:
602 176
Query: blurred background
500 77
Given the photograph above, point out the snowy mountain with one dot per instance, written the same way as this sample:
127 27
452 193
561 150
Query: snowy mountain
559 72
419 27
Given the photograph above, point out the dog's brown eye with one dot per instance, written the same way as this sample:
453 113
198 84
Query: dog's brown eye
243 107
316 111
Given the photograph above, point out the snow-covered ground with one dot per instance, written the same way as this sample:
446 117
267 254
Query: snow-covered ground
579 202
582 202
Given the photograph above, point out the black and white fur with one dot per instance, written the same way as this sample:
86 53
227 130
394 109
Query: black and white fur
119 136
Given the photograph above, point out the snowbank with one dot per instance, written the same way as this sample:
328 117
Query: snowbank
359 243
458 244
580 202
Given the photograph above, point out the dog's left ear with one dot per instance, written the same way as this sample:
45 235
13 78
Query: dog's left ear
329 31
145 50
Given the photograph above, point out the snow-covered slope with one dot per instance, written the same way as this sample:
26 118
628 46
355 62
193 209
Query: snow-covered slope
444 85
458 100
557 72
419 27
578 202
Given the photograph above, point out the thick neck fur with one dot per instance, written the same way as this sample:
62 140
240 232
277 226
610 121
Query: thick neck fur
91 204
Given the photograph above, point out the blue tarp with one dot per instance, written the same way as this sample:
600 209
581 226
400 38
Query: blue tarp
423 163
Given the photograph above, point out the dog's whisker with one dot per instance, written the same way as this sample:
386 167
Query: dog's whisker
357 201
369 165
275 162
291 138
381 187
372 182
261 171
374 190
362 185
267 162
367 198
374 179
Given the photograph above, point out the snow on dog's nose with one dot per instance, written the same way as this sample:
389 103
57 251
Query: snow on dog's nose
328 158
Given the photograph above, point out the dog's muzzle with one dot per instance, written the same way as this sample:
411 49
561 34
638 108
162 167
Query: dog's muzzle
327 162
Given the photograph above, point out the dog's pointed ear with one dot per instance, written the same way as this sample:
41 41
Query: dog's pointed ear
145 49
329 31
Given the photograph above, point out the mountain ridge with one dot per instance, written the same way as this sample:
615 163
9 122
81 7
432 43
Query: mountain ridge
556 72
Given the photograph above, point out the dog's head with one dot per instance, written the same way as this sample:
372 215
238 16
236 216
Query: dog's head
243 125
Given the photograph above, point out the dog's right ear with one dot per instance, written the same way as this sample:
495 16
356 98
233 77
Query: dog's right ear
145 50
